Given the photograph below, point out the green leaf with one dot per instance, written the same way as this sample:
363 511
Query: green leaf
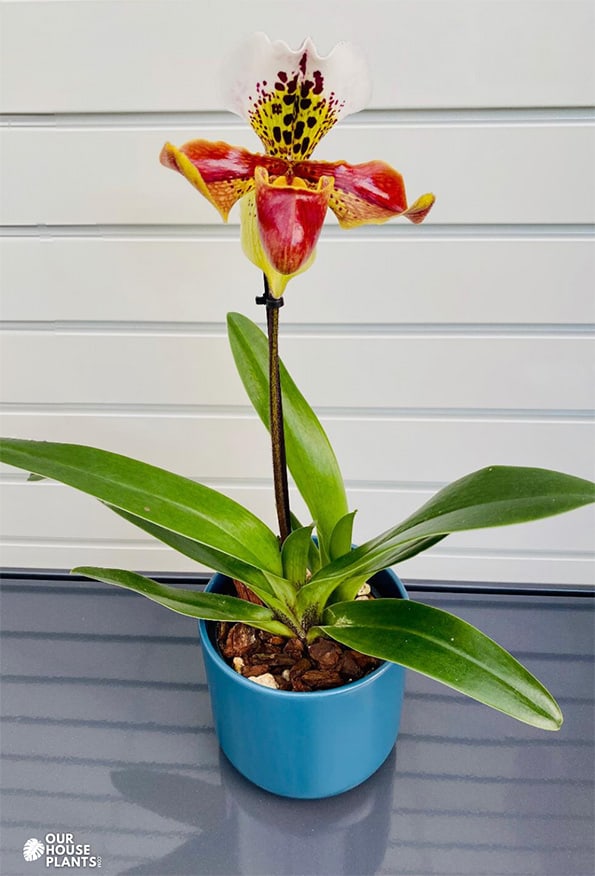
295 553
341 544
273 591
193 603
342 536
152 494
494 496
295 523
346 591
412 548
314 560
310 457
446 648
277 593
498 496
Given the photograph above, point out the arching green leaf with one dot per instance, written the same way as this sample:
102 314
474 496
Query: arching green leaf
194 603
153 494
447 649
494 496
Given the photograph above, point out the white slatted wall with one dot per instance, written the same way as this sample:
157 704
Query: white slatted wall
428 351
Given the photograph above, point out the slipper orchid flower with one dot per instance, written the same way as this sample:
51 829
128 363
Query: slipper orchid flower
292 99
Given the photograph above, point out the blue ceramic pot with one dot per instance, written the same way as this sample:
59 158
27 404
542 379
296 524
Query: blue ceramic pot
305 745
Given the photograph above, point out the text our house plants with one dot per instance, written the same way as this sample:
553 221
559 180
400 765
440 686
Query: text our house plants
303 585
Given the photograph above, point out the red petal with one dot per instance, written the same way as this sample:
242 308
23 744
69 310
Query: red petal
364 193
220 172
290 219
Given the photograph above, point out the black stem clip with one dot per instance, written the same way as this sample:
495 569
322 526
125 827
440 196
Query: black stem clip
269 301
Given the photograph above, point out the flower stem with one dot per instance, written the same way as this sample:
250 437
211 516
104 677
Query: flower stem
276 417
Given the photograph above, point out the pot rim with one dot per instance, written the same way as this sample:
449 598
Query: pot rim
259 689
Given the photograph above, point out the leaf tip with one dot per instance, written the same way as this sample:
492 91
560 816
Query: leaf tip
557 718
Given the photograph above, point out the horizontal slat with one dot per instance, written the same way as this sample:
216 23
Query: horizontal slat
423 53
453 280
470 568
45 521
473 568
394 451
480 174
455 371
58 512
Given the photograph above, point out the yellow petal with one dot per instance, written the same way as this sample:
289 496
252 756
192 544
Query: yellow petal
418 211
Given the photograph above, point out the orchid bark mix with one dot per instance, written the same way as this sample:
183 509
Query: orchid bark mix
298 586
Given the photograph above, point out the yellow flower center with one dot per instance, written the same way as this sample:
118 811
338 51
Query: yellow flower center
293 113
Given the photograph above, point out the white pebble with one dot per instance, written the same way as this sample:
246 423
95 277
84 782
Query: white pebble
364 590
266 680
238 664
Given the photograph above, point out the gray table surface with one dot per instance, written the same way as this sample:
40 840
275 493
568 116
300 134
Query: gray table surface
107 734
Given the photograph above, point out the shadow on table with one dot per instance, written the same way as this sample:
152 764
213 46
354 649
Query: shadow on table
244 830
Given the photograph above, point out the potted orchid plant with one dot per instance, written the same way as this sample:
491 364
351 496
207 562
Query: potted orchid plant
306 636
